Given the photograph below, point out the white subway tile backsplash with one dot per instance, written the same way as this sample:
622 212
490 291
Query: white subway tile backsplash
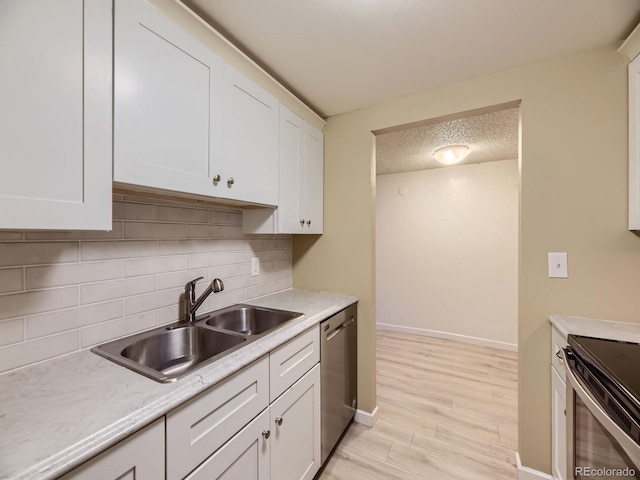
241 257
134 211
72 274
147 230
11 280
183 215
121 249
117 328
11 331
26 303
99 292
225 218
18 254
207 231
228 245
114 234
207 260
73 318
85 288
147 266
180 279
25 353
152 301
178 247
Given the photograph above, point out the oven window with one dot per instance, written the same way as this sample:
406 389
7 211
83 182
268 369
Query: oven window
597 454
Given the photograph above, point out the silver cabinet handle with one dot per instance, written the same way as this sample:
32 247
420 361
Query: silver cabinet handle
302 222
266 434
308 222
230 182
216 179
279 421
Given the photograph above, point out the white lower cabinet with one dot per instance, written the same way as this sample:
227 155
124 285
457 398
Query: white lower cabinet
282 443
232 431
204 423
558 408
137 457
246 456
295 430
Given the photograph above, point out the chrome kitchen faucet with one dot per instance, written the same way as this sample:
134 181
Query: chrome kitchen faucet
190 302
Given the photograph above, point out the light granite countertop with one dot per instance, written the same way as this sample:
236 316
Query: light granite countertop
58 414
592 327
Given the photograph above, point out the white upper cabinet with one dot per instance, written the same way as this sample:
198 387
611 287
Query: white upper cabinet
167 103
313 183
634 144
249 168
300 205
184 121
55 120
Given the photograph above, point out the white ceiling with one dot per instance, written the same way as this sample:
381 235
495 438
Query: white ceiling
489 136
341 55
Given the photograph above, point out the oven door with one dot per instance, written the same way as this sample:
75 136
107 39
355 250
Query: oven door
596 447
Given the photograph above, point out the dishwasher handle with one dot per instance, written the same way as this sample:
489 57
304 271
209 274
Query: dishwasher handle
339 328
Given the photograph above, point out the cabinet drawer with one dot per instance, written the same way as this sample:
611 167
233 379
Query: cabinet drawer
202 425
292 360
558 342
139 456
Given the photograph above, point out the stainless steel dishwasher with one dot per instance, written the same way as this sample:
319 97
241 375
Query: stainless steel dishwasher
339 374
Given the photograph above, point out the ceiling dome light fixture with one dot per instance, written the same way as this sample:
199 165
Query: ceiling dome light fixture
451 154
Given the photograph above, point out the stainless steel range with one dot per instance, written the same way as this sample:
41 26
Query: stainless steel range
603 408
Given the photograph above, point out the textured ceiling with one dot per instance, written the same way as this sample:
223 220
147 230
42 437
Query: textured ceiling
490 136
341 55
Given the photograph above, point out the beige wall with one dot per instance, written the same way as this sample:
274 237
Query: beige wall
573 199
447 252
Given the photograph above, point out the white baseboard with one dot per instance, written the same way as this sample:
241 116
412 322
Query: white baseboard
365 418
485 342
526 473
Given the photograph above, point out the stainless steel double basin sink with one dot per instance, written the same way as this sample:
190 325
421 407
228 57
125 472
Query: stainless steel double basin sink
168 353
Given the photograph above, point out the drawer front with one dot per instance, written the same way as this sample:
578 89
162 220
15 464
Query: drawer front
292 360
558 342
198 428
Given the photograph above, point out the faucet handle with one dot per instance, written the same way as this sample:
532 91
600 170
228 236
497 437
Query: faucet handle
192 283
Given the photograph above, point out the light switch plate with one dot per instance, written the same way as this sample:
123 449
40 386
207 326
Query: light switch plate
255 266
558 265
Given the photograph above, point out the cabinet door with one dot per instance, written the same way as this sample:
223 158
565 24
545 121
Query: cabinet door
55 119
313 180
167 105
246 456
199 427
558 426
295 430
290 206
249 169
138 457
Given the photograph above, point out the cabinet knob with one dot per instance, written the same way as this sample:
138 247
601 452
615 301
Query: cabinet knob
216 179
230 182
266 434
308 222
302 222
279 421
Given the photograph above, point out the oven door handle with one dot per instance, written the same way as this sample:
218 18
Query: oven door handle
627 444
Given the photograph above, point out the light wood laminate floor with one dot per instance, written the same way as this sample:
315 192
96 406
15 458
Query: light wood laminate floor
448 411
